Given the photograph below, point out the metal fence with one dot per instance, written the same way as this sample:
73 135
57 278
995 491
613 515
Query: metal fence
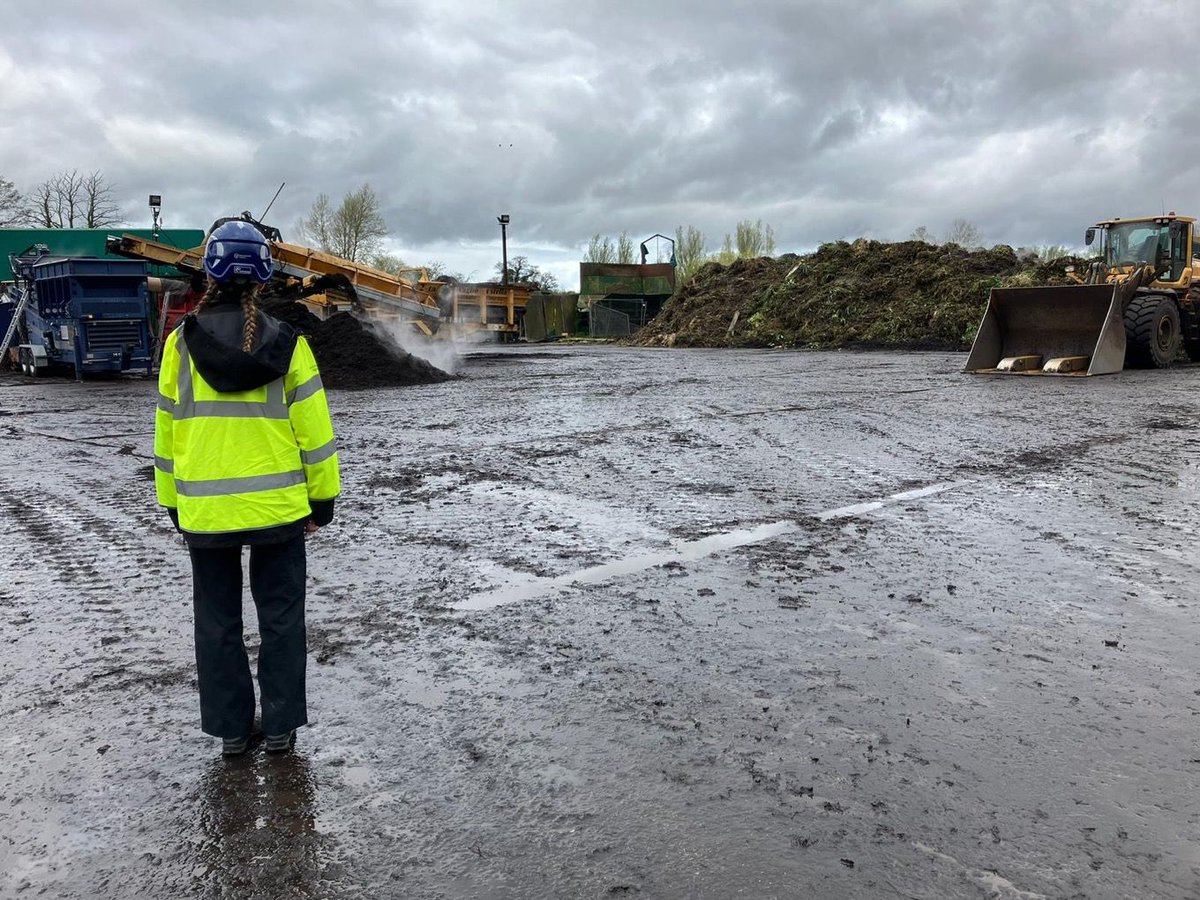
608 322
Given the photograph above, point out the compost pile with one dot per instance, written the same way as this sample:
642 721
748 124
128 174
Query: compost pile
865 294
350 355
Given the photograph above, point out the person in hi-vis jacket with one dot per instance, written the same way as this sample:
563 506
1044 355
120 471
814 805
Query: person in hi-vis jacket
244 455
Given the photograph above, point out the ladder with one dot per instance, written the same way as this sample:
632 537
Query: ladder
12 326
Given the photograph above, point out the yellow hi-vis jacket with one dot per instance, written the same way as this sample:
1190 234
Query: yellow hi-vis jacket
246 460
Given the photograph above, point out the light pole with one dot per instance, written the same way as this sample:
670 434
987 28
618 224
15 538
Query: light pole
155 206
503 220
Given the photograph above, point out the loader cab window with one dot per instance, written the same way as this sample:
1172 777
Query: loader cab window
1181 250
1141 243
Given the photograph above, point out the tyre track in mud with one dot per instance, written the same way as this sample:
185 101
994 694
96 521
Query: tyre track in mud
92 543
917 701
95 640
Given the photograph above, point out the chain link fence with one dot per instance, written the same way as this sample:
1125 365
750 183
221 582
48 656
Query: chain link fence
608 322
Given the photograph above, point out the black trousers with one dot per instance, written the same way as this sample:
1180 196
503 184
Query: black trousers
277 576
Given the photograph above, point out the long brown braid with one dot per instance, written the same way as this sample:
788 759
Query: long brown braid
250 314
210 292
249 309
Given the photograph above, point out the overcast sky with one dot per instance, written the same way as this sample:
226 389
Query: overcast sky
826 119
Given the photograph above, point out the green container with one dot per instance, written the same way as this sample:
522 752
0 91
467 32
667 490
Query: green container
621 280
78 242
549 317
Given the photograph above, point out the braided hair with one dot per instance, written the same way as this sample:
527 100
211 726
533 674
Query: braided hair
210 293
249 300
250 314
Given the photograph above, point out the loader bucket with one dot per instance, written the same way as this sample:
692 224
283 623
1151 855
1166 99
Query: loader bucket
1075 330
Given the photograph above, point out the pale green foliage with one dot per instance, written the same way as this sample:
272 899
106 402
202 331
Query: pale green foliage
1050 252
690 253
353 231
388 262
754 239
726 254
625 249
749 241
600 250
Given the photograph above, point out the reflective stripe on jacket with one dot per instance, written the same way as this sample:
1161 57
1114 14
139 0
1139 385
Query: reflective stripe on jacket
245 460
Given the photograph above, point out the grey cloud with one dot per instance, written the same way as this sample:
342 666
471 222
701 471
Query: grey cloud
826 119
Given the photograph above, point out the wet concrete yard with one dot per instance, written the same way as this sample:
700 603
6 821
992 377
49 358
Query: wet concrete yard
600 622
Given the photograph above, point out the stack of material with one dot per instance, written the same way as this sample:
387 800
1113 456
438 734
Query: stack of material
350 356
909 295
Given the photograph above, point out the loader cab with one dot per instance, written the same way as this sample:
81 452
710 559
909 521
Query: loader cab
1164 243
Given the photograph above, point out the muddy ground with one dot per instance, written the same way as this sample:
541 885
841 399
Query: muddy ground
609 622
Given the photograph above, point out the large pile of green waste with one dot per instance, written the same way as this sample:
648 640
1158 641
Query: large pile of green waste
865 294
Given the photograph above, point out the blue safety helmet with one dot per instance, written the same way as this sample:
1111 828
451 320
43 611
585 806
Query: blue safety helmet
237 251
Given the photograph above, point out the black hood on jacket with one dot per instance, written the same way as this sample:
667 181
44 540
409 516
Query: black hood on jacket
214 340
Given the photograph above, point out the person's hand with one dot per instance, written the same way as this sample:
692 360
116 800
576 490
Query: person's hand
310 527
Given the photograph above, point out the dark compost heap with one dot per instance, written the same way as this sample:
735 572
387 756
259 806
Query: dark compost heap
350 355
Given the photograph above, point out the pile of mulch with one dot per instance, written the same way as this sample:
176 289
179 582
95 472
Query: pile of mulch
865 294
350 355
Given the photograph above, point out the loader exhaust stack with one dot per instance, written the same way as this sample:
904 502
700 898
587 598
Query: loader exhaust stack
1074 330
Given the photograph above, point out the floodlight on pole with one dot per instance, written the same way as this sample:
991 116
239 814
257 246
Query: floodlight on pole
155 206
503 220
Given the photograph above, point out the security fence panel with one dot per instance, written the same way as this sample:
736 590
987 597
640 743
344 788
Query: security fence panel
608 322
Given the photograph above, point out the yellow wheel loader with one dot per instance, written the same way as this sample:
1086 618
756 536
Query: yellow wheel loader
1136 305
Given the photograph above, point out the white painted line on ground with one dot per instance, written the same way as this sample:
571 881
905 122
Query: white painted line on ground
860 509
531 587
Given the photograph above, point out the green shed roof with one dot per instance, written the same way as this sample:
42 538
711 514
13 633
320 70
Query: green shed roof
84 241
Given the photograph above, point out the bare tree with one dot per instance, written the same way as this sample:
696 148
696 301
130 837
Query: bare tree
71 200
690 253
316 227
353 231
438 269
99 207
522 271
57 200
965 234
14 208
921 233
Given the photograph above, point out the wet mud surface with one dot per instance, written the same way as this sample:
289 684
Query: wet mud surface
617 623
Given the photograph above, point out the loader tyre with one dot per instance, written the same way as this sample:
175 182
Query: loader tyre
1192 345
1152 332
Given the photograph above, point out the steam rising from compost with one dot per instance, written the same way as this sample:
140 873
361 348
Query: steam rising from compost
445 354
